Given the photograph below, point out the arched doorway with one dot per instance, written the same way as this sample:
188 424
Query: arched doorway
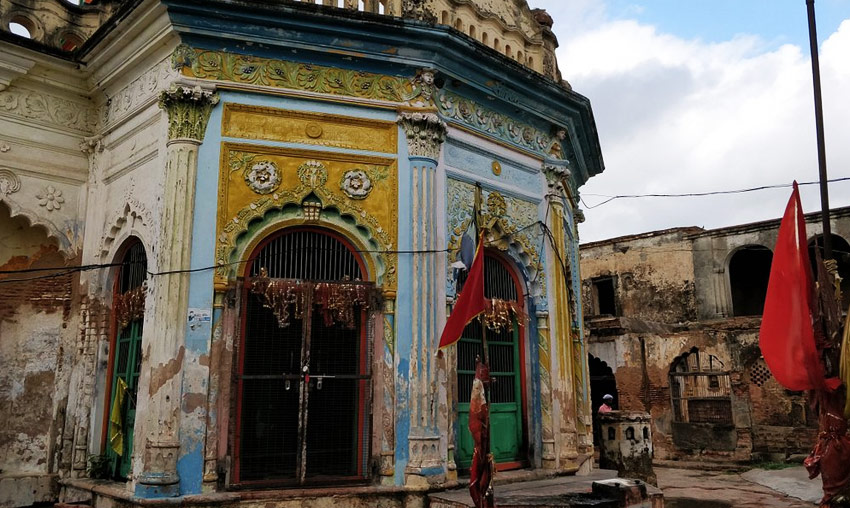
304 363
125 360
506 367
749 272
602 381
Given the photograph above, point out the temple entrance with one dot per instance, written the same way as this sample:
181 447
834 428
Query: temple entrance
506 394
126 359
304 375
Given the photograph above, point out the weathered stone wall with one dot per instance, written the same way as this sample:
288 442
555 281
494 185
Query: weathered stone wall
654 275
641 364
673 294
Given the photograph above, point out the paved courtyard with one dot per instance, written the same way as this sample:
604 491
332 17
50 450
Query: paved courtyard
690 488
683 488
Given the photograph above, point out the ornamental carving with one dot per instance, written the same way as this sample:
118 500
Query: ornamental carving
50 198
263 177
557 177
356 184
454 107
496 205
47 108
425 133
304 181
188 111
139 92
417 91
510 224
252 70
313 174
9 183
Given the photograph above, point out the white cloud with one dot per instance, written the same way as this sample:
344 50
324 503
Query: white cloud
678 115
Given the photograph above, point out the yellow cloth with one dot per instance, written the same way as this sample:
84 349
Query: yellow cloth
845 364
116 424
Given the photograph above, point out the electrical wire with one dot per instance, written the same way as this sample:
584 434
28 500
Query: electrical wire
63 271
699 194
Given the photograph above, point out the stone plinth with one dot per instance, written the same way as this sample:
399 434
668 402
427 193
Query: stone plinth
626 444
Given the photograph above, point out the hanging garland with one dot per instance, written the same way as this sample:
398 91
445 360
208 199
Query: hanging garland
339 302
500 314
129 306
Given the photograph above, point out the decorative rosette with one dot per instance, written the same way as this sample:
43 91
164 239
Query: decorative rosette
263 177
356 184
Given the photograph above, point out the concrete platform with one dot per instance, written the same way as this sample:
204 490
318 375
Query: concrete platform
559 492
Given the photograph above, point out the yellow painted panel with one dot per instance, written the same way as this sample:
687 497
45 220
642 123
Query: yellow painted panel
362 187
257 122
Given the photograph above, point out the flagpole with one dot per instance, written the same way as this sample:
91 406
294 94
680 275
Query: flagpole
824 190
478 229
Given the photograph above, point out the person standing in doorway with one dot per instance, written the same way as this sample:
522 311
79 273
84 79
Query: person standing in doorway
607 400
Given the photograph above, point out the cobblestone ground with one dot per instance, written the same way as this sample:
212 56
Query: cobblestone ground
691 488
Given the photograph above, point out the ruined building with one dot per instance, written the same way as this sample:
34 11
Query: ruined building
673 319
228 230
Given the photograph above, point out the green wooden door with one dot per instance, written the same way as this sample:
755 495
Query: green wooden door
505 393
128 360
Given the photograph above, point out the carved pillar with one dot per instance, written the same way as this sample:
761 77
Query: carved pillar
544 352
188 112
427 447
569 370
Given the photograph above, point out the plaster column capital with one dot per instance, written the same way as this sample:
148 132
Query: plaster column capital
557 173
425 133
188 111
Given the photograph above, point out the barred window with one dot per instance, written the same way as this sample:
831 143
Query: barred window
701 389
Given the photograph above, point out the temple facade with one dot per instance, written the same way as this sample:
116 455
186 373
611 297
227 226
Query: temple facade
231 234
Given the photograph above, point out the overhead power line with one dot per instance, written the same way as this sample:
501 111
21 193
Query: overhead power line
699 194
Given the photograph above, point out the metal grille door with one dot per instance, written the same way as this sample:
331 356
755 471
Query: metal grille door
506 391
303 388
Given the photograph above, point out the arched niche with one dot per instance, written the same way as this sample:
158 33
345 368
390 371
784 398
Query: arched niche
749 272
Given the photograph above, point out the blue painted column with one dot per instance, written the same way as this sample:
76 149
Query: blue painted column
188 112
425 133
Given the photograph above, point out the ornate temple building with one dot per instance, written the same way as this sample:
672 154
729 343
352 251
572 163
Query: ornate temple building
229 240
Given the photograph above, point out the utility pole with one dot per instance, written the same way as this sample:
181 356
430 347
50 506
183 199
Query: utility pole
824 190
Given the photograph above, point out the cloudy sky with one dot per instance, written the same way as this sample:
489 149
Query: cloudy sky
699 95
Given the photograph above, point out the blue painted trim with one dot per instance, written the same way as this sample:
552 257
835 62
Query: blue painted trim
145 491
404 331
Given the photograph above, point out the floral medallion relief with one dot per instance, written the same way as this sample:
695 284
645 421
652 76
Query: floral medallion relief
356 184
263 177
50 198
256 180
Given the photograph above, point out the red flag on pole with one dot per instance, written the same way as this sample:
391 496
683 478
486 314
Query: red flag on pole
470 302
787 337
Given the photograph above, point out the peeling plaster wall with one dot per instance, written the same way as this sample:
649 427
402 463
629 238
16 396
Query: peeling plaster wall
655 276
673 294
641 364
36 348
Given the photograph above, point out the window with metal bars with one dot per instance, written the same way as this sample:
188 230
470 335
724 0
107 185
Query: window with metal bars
700 389
297 426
